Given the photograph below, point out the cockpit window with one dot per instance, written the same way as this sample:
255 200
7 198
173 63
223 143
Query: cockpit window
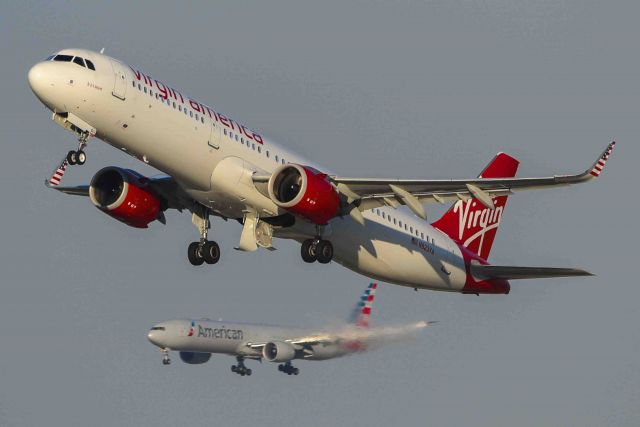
49 58
158 328
90 65
79 61
63 58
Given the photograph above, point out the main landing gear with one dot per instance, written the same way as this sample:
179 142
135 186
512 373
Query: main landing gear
79 157
204 250
240 369
288 369
317 250
166 360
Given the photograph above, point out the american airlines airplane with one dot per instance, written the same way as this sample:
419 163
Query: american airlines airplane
196 340
217 166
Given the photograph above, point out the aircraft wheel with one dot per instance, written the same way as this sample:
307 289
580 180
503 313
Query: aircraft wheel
194 254
211 252
324 251
233 368
296 371
81 157
71 157
249 372
308 251
280 368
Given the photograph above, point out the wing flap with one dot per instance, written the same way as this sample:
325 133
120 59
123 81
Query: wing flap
488 272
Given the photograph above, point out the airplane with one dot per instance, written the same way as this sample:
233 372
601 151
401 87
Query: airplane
215 166
197 340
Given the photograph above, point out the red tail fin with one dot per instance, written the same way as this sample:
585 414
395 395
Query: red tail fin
471 223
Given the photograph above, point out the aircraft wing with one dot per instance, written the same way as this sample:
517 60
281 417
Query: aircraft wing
489 272
350 334
368 193
164 186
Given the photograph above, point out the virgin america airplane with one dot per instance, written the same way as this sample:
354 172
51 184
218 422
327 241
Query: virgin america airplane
217 166
196 340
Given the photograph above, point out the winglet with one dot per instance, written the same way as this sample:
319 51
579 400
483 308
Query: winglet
598 166
57 175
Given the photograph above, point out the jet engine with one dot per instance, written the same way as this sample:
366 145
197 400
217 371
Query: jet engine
194 358
124 195
304 191
278 351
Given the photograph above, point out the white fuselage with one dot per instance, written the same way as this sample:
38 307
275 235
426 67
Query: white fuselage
239 339
213 157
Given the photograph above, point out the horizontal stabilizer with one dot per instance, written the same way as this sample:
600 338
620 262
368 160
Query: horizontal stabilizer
488 272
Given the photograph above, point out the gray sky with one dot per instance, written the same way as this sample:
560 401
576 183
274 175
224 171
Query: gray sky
402 89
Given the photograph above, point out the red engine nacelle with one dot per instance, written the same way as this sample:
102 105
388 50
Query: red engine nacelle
124 195
304 191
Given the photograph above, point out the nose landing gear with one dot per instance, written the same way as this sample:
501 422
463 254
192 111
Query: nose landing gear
240 368
288 369
166 360
79 157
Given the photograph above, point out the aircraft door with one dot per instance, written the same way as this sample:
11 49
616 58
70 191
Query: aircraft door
120 82
214 135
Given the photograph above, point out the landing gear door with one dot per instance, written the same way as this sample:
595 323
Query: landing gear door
120 82
214 136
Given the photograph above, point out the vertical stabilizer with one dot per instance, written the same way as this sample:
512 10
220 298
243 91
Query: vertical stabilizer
471 223
362 310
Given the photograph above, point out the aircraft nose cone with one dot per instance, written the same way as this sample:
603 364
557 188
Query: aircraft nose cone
152 336
38 79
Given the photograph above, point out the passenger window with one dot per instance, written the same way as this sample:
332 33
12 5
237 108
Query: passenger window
253 146
90 65
383 215
174 105
400 224
395 222
139 87
191 113
180 108
259 150
225 131
422 236
283 161
150 92
267 153
237 137
276 158
411 229
63 58
145 89
202 119
405 226
134 84
197 118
